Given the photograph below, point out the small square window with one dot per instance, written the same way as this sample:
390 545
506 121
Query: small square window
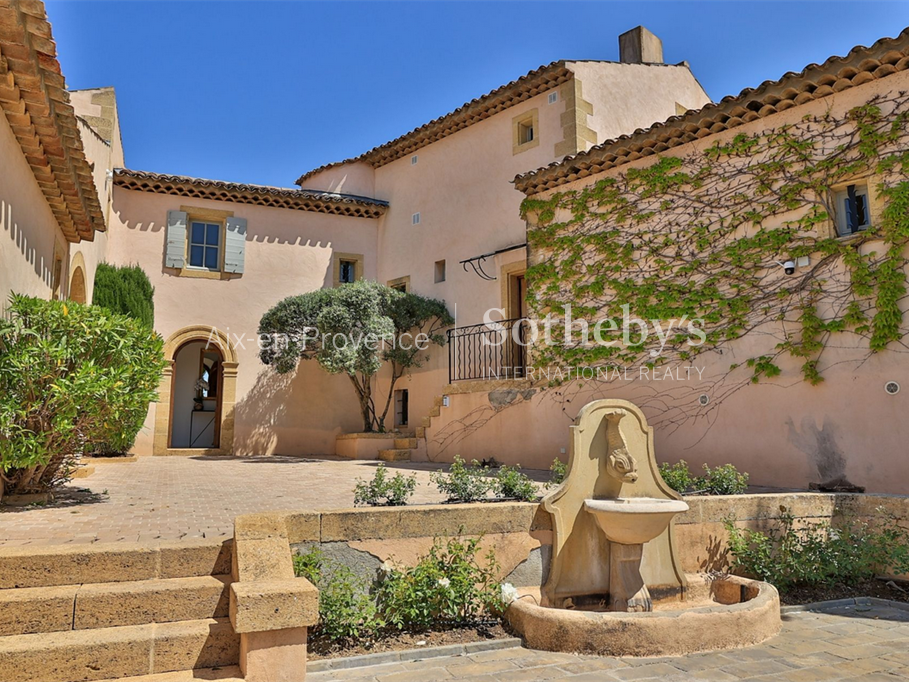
525 131
440 271
852 209
415 219
205 245
347 271
553 97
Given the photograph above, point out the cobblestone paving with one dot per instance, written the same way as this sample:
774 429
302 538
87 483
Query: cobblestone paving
867 644
172 498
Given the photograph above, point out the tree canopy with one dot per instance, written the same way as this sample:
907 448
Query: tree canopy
354 329
125 290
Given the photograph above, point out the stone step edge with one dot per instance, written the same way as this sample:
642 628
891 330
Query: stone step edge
227 673
65 608
841 603
385 657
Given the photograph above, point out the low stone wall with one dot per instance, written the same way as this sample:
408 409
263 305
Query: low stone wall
521 532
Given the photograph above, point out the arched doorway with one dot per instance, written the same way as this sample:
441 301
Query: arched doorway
195 404
195 409
77 286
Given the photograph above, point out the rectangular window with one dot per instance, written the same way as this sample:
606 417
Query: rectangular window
400 284
553 97
852 210
413 160
415 219
402 407
525 132
347 271
205 245
440 271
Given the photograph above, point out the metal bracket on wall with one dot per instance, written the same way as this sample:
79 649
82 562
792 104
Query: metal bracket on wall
476 263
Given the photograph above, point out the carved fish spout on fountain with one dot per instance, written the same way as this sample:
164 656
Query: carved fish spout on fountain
612 537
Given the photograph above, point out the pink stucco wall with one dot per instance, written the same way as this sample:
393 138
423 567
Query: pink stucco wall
288 253
28 228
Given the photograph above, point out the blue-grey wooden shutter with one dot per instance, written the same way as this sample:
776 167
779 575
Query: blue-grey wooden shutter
235 245
175 250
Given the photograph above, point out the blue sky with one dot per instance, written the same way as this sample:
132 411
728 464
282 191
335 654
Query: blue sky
262 91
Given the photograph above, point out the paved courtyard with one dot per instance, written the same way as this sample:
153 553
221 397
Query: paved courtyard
172 498
867 644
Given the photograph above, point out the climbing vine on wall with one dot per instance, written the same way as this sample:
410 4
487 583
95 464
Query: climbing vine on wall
700 237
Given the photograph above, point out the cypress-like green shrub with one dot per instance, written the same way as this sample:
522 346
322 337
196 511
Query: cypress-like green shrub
70 375
125 290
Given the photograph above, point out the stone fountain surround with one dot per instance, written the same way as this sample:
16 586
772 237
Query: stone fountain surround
610 441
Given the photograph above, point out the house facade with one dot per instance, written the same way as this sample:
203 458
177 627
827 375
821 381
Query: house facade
438 212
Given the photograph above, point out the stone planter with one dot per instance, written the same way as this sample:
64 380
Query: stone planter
364 445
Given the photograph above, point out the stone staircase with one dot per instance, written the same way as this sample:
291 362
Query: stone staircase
117 611
411 441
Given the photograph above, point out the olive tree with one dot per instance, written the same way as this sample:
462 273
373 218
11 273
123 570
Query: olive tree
355 329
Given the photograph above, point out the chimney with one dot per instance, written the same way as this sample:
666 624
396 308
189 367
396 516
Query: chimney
640 46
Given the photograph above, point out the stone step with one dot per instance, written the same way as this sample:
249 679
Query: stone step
405 443
230 673
114 653
30 610
111 562
426 421
420 432
396 455
439 401
435 411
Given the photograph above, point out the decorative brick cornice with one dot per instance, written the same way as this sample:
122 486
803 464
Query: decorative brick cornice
259 195
33 96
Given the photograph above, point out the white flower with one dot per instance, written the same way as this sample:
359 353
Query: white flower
509 593
834 534
387 567
444 582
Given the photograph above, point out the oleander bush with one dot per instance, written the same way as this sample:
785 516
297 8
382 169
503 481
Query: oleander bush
810 554
70 375
510 484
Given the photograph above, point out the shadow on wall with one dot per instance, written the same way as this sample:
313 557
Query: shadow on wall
29 253
300 413
265 408
259 231
824 453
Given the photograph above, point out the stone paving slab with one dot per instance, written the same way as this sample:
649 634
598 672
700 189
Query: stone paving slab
175 498
831 632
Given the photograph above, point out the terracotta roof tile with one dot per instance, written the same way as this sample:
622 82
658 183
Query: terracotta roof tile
259 195
861 65
33 96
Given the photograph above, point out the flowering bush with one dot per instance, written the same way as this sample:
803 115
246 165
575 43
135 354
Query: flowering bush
818 553
463 483
448 587
384 491
511 484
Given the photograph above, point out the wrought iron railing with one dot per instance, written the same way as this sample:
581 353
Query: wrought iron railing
488 351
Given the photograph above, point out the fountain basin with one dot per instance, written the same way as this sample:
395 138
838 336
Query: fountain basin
633 520
720 612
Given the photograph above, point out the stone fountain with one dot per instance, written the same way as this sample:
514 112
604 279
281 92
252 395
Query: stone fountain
615 581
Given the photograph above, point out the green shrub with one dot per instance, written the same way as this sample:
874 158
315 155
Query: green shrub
449 586
511 484
463 483
347 611
723 480
559 471
381 490
818 553
125 290
69 375
677 476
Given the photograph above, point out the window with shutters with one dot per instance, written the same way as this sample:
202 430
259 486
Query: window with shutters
347 268
852 209
206 243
